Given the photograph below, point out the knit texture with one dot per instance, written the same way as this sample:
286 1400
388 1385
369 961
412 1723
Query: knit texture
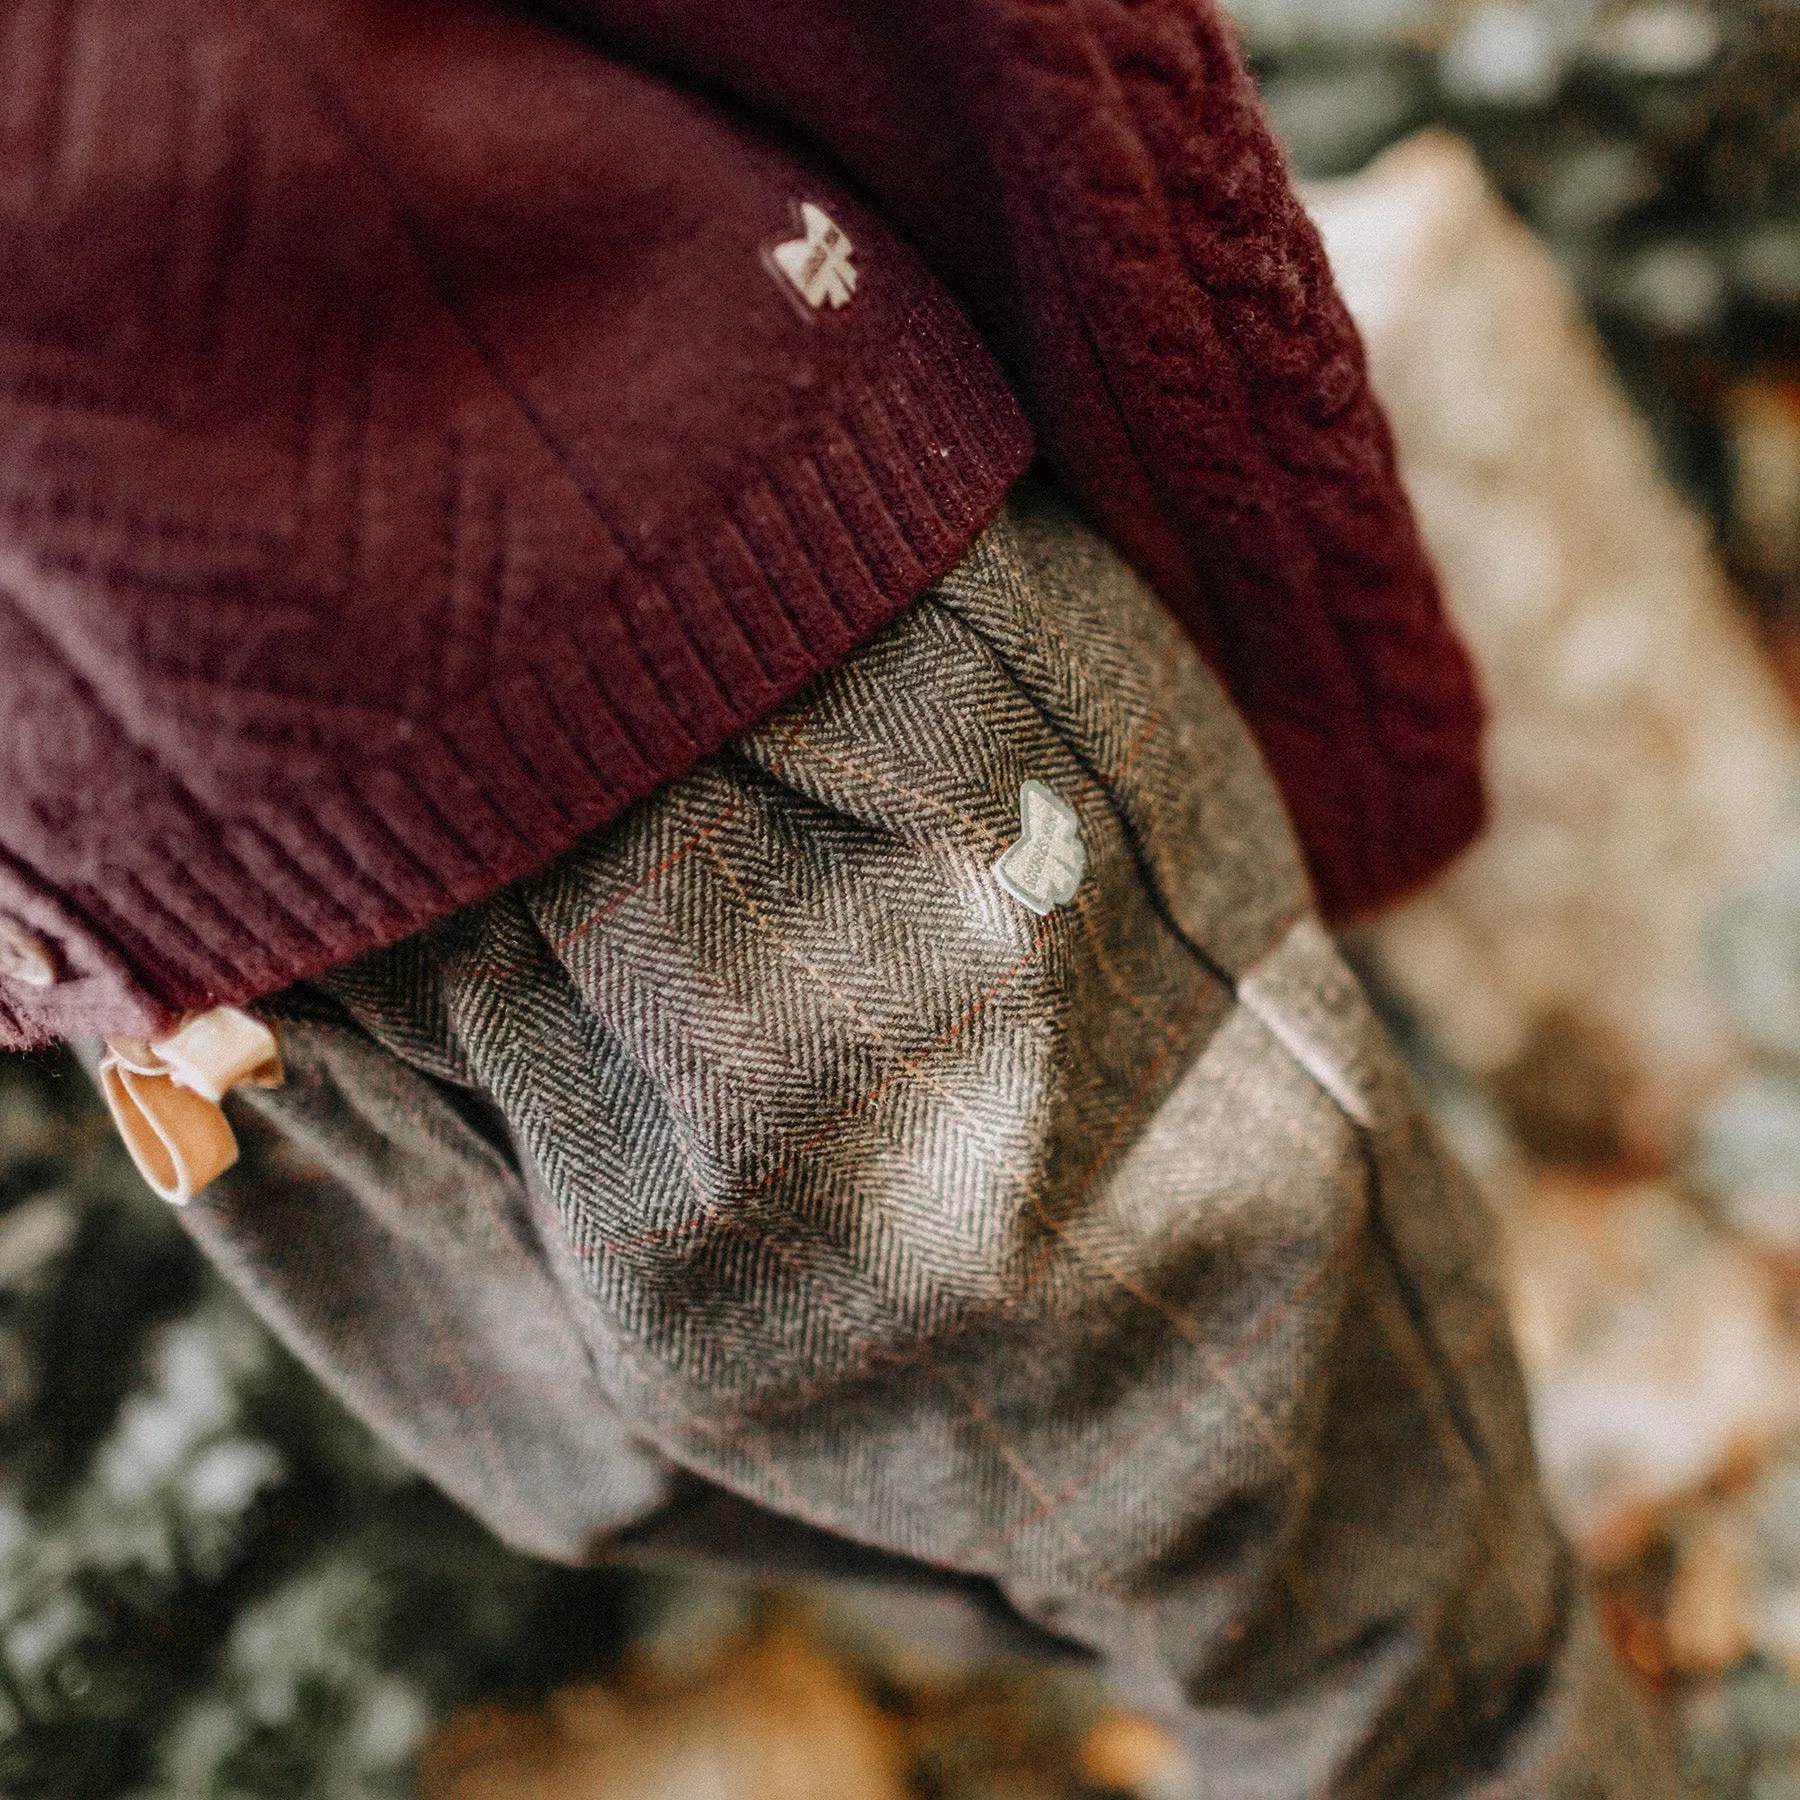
1101 187
409 456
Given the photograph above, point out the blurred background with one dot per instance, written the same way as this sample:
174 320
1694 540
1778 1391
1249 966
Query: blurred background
1571 234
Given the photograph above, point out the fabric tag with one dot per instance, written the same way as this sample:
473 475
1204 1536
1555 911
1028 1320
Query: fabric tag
818 265
1044 868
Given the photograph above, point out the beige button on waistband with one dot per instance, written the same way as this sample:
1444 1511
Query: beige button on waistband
164 1096
24 956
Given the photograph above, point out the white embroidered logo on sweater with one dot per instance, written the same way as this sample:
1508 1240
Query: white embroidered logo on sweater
818 265
1044 868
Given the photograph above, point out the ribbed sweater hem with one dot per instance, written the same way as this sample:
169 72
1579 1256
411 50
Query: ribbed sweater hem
827 540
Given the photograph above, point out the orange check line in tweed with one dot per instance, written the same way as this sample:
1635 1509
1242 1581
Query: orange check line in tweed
687 1227
1295 1297
683 850
930 1345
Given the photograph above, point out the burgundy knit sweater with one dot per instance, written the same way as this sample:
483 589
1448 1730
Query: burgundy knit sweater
425 427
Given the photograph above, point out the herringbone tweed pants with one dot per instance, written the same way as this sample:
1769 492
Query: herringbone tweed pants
765 1171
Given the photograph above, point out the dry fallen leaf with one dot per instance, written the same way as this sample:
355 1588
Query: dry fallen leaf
1656 1348
1129 1754
775 1720
1708 1621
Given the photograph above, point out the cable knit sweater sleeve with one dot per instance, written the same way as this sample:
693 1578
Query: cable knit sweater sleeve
1097 181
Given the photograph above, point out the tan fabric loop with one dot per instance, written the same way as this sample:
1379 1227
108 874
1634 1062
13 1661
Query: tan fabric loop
164 1096
178 1140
